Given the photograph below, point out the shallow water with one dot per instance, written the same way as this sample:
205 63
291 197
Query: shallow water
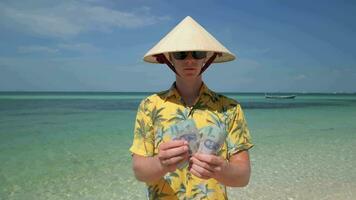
75 146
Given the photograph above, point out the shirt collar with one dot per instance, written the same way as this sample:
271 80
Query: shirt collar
173 92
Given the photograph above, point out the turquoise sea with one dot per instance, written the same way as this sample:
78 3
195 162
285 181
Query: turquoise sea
57 145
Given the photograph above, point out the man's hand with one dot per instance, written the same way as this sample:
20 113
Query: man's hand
150 169
172 153
234 173
207 166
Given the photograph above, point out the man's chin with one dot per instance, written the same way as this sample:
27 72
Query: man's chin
190 75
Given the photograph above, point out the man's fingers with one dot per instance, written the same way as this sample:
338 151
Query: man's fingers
172 144
210 159
202 171
202 164
198 174
173 152
174 160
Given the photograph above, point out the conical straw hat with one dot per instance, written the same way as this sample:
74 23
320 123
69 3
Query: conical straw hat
188 35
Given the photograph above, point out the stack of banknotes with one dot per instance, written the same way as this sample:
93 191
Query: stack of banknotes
207 140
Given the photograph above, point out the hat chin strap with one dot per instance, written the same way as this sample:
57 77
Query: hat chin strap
208 63
161 58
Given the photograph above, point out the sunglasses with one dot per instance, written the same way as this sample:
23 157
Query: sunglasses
181 55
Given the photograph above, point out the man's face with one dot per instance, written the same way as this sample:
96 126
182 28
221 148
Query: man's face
188 67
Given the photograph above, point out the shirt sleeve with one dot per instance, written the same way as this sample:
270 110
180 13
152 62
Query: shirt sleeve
238 138
143 142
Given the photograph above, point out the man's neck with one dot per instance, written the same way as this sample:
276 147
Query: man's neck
189 89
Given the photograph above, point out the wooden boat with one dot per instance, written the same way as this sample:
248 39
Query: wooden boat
280 96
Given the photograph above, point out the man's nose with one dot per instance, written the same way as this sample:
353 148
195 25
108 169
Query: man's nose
189 58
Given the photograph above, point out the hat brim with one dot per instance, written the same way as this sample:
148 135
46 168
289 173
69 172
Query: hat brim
222 56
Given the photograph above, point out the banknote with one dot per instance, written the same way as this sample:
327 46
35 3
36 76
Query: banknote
186 130
212 138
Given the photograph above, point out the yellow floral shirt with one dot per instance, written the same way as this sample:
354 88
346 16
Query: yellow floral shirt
160 111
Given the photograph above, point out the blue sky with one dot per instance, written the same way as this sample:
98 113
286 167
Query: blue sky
92 45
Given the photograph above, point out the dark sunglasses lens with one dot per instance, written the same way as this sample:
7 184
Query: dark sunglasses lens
180 55
199 54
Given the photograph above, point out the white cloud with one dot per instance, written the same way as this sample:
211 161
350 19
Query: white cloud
73 18
74 47
254 51
248 63
79 47
36 49
300 77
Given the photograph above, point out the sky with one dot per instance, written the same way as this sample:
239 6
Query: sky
98 45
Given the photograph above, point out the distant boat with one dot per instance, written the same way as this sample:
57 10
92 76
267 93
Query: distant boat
280 96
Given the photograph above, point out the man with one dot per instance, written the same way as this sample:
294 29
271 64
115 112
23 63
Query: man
160 160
